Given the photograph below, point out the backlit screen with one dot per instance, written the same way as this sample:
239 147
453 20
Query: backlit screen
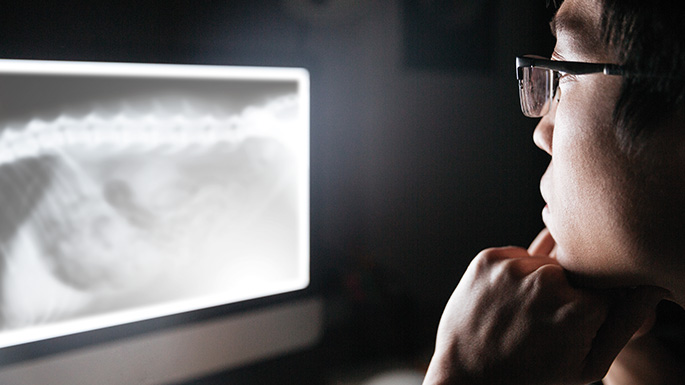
134 191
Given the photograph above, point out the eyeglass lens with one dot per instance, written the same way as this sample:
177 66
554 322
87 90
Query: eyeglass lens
536 91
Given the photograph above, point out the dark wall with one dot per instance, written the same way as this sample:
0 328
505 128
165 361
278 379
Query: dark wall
420 155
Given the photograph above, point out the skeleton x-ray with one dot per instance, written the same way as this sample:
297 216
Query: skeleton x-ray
131 191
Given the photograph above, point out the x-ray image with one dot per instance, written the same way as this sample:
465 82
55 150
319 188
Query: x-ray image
125 197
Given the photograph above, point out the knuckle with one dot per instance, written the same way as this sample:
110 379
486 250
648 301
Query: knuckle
514 269
549 280
496 254
500 263
486 259
550 273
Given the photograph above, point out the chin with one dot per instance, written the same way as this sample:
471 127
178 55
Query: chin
584 265
582 272
575 272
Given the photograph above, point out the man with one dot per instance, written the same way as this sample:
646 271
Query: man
588 287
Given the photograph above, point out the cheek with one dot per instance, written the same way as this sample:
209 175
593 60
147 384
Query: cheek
587 185
591 231
583 219
581 158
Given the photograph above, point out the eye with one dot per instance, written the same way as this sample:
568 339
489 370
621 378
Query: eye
564 77
560 79
557 93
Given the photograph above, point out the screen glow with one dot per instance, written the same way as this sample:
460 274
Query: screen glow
134 191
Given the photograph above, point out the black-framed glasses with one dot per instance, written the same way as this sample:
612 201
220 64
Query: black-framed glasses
539 78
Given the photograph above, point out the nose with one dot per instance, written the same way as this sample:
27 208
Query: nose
544 131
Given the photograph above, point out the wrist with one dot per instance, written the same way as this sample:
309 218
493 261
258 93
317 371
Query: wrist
445 369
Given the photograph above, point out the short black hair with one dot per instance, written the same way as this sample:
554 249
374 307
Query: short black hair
648 38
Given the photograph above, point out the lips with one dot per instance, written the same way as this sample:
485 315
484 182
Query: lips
544 185
544 192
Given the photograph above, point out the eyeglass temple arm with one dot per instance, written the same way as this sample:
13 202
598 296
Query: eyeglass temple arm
574 68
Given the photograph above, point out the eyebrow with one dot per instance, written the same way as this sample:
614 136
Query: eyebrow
563 22
553 26
578 25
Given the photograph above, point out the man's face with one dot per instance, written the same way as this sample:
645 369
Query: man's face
592 189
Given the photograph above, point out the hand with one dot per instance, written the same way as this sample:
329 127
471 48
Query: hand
515 319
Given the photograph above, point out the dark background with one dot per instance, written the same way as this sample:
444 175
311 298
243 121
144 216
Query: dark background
420 155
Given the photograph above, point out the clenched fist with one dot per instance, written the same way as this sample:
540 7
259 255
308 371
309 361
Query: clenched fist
515 319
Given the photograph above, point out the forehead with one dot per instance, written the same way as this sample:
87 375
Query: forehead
576 26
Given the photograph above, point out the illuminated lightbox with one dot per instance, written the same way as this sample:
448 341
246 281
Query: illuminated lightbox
134 191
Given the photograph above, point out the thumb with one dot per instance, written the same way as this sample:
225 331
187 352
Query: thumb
623 320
